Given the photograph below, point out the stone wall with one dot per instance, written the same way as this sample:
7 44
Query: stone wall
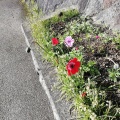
49 6
105 11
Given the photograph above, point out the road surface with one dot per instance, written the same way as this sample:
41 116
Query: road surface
21 95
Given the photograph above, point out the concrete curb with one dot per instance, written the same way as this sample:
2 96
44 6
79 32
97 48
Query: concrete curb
41 79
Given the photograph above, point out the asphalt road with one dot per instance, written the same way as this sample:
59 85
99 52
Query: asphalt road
21 95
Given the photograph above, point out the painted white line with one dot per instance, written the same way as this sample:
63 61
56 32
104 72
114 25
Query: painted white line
32 54
41 79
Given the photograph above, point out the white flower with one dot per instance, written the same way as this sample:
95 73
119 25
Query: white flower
93 116
116 66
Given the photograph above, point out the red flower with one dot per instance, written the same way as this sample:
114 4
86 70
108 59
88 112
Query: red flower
73 66
97 37
76 48
55 41
84 94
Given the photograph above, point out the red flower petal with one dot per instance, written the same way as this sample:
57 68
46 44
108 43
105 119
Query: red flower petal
84 94
76 48
78 64
55 41
97 37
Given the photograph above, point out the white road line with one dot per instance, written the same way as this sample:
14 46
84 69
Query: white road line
41 79
32 54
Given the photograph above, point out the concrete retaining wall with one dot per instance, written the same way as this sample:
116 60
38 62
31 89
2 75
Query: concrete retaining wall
107 11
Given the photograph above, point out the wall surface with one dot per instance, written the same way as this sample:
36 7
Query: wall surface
105 11
49 6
